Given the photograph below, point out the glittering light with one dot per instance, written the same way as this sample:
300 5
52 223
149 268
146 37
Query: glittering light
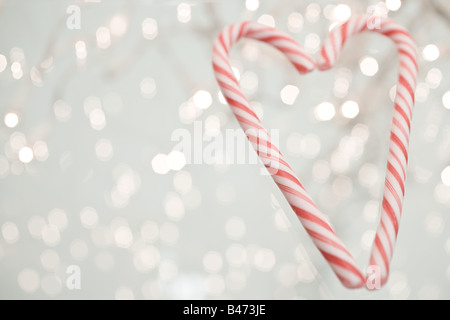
368 66
342 12
103 37
124 293
202 99
89 217
212 261
150 231
252 5
312 12
50 234
10 232
430 52
393 5
235 228
446 100
149 28
312 43
26 155
342 186
35 226
97 119
445 176
16 70
80 50
123 237
350 109
11 119
148 88
174 207
184 12
40 150
321 170
182 182
324 111
62 110
3 63
176 160
341 86
28 280
433 78
370 210
58 218
264 259
267 20
146 258
160 164
368 175
310 146
118 25
289 94
421 94
295 22
103 149
249 82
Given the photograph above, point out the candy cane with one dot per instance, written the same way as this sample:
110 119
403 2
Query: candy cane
313 220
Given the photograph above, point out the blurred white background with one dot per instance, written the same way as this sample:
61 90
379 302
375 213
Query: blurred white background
90 175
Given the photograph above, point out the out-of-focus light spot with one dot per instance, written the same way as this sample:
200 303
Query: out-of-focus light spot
430 52
342 187
50 234
293 143
370 210
97 119
361 131
310 146
235 228
252 5
146 258
40 150
368 66
50 259
433 78
221 97
4 166
212 261
288 275
446 100
421 94
264 259
118 25
11 119
215 284
16 69
10 232
312 43
176 160
321 170
339 162
150 231
342 12
79 249
236 255
184 12
174 207
202 99
434 224
169 233
281 221
367 239
182 182
249 82
28 280
148 88
393 5
36 76
58 218
104 149
103 37
89 217
62 110
289 94
445 176
35 226
167 270
250 51
51 284
267 20
324 111
442 193
149 28
3 63
80 50
102 236
295 22
124 293
328 11
160 164
350 109
341 86
123 237
368 175
312 12
26 155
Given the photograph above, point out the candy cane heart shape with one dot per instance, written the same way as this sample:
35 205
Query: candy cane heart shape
313 220
394 189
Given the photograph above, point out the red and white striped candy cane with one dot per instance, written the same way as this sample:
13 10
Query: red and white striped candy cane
314 221
394 189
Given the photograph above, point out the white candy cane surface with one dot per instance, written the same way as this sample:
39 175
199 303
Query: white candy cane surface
313 220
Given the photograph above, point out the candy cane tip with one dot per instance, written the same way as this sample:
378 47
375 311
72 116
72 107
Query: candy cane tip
323 64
